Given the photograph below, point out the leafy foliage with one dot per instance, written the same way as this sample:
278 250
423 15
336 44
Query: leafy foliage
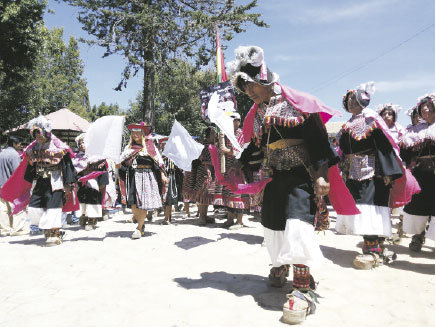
58 80
178 98
104 110
149 33
21 36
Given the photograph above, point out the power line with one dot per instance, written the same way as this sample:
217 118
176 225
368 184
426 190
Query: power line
366 63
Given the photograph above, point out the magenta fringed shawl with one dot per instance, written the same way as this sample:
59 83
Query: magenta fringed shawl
17 190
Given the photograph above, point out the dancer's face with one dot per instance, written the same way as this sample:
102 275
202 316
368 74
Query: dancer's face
41 139
236 124
82 146
388 117
137 136
352 105
258 93
427 112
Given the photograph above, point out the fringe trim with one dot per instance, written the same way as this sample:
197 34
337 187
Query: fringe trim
363 136
286 122
205 198
218 200
236 203
414 146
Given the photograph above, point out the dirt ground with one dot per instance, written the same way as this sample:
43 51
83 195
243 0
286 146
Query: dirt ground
187 275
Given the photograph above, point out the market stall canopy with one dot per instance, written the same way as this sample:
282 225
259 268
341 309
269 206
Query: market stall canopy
66 125
63 119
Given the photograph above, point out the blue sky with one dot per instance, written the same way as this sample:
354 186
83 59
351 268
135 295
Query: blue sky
321 47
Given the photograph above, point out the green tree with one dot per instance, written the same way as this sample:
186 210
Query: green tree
150 32
57 80
104 110
244 103
21 37
178 98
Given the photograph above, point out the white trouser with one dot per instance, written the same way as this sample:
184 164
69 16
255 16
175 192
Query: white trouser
45 218
91 210
413 224
297 244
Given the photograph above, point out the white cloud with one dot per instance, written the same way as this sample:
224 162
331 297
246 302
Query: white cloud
426 83
320 15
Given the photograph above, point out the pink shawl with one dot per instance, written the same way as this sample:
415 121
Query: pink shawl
339 195
17 190
300 100
404 187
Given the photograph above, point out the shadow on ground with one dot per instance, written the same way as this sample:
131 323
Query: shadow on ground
38 241
256 286
247 238
343 258
192 242
422 268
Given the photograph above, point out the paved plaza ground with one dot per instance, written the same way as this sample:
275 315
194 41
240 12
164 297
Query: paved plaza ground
187 275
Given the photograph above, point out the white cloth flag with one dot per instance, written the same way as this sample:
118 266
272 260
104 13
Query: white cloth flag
103 138
181 147
224 122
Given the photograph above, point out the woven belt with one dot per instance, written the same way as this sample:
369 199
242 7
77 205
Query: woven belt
46 171
144 167
284 143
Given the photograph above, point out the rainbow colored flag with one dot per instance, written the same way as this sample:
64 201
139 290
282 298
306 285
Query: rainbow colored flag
220 66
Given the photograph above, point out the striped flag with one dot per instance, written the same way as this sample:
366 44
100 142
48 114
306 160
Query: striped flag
220 66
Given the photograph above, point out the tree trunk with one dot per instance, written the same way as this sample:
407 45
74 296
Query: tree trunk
148 89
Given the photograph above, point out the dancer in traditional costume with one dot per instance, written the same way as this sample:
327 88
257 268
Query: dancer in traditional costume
141 172
172 192
188 190
418 150
370 166
415 119
93 178
236 204
205 185
389 112
111 195
286 125
48 175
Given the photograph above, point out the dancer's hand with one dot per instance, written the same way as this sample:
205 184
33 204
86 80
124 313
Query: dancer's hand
164 179
67 189
321 181
387 180
322 187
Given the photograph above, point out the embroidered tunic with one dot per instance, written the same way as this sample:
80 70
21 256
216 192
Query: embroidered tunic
89 192
418 150
292 141
172 195
140 176
369 157
49 169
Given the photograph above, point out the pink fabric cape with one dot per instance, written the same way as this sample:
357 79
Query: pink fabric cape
339 195
92 175
17 190
404 187
234 185
300 100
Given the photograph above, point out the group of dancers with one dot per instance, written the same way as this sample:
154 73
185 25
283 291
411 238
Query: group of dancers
286 171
